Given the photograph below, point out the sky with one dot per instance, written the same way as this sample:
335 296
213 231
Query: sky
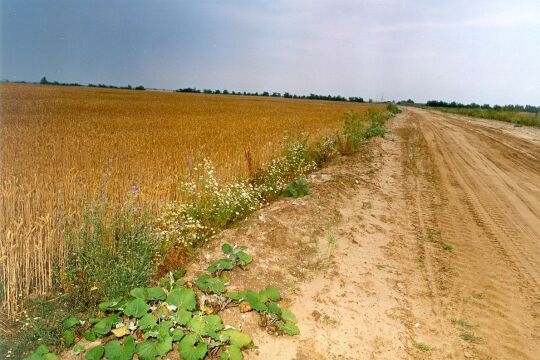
484 51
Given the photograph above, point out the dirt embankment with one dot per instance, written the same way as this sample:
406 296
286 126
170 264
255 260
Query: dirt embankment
426 245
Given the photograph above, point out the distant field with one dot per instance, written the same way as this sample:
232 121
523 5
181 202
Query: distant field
521 118
61 146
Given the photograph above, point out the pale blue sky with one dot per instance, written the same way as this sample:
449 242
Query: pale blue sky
463 50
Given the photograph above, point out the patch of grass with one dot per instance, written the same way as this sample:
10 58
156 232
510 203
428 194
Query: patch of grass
431 233
470 337
423 347
447 247
478 295
112 252
462 323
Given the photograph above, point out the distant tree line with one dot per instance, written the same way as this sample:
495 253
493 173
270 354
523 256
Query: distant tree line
285 95
44 81
513 108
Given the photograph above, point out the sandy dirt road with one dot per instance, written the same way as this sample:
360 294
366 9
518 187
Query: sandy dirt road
424 246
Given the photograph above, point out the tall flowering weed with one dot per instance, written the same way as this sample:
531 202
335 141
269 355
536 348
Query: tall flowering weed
208 206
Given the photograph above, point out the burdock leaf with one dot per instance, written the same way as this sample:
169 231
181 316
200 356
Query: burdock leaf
71 322
182 317
155 293
288 316
208 283
290 328
136 308
69 338
270 293
236 337
182 298
244 258
95 353
233 352
222 264
254 300
226 248
189 351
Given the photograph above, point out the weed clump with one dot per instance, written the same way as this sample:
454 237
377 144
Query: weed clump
178 315
112 252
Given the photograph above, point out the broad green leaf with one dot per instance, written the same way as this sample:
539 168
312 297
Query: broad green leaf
103 327
34 356
147 322
177 334
197 325
213 324
255 301
182 298
164 329
226 248
182 316
236 337
208 283
273 308
189 351
290 328
50 356
244 258
78 348
112 304
163 346
233 352
237 296
95 353
42 350
71 322
222 264
138 293
179 273
271 293
129 346
136 308
69 338
89 335
113 350
155 293
147 350
288 316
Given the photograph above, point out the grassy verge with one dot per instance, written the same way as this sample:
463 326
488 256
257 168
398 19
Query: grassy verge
518 118
118 249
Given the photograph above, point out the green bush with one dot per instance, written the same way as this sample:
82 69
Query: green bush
112 252
297 188
391 107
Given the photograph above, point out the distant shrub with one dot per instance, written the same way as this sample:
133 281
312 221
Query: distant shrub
297 188
392 108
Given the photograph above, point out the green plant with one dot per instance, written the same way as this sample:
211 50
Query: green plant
112 252
393 108
297 188
423 347
148 321
468 336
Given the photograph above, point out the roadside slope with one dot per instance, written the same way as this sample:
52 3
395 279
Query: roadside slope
424 246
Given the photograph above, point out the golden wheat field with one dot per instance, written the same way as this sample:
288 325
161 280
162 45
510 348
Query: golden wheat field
63 146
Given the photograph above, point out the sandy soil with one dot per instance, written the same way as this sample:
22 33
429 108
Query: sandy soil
426 245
